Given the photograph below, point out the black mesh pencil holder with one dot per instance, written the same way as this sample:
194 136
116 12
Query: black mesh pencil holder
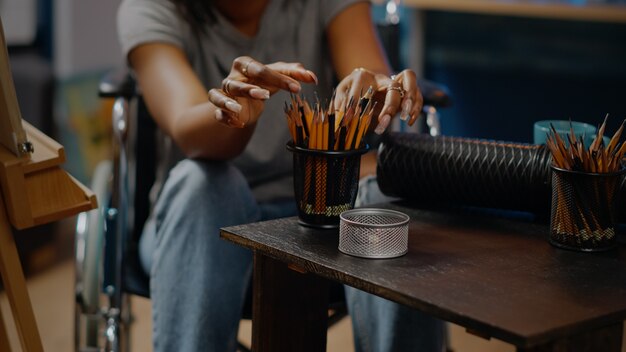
325 184
584 209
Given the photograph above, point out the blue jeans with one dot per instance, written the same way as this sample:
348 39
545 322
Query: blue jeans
198 281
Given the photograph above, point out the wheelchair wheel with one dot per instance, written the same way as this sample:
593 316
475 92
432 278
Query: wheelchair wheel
89 242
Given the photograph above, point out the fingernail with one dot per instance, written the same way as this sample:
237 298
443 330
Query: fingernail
259 93
218 115
294 87
313 76
382 124
406 109
234 107
338 103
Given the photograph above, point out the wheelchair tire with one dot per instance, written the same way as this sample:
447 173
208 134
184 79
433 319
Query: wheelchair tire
90 231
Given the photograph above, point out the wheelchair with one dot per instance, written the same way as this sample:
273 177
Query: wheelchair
108 270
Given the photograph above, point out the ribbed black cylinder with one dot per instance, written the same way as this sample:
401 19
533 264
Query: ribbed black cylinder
462 171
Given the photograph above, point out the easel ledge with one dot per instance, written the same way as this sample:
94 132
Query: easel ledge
36 189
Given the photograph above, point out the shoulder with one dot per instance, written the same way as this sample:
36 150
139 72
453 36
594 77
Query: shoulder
329 9
156 10
322 11
145 21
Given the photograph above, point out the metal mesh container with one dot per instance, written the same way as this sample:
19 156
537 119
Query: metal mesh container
373 233
325 184
584 210
446 170
471 172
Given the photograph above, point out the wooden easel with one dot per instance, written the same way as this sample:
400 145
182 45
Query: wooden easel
35 191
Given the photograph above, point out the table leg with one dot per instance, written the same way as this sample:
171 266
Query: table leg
289 308
15 287
606 339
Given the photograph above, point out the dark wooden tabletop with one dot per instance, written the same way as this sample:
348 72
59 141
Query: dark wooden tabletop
493 275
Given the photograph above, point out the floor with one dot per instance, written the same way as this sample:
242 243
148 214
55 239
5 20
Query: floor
51 293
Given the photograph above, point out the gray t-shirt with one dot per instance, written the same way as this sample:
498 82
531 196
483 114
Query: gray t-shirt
290 31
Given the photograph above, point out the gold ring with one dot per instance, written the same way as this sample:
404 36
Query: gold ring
399 89
245 68
363 69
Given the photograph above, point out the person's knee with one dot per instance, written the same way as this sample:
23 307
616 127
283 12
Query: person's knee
219 180
213 187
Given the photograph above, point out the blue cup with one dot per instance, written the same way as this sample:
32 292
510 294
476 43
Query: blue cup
542 129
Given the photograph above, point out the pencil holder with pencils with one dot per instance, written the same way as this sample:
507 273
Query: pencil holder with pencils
585 190
325 183
327 144
584 209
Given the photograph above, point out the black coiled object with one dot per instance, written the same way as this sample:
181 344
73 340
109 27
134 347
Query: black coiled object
467 172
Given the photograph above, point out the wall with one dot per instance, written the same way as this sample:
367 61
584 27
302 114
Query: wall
85 38
19 21
505 73
85 47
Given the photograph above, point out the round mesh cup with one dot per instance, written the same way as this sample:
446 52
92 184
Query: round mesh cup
374 233
584 210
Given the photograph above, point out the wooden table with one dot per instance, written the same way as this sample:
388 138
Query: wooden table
496 277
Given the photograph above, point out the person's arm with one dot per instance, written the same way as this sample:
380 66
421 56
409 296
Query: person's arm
360 62
178 102
354 43
217 124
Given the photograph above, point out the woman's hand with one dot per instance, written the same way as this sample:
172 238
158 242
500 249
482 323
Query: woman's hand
398 93
241 98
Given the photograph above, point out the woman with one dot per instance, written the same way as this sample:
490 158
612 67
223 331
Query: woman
224 160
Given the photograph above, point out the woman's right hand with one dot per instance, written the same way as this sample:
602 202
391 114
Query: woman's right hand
241 99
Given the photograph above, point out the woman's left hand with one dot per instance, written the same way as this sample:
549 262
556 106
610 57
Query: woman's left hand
399 94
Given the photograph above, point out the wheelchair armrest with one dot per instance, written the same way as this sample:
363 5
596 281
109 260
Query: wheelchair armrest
117 83
434 94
